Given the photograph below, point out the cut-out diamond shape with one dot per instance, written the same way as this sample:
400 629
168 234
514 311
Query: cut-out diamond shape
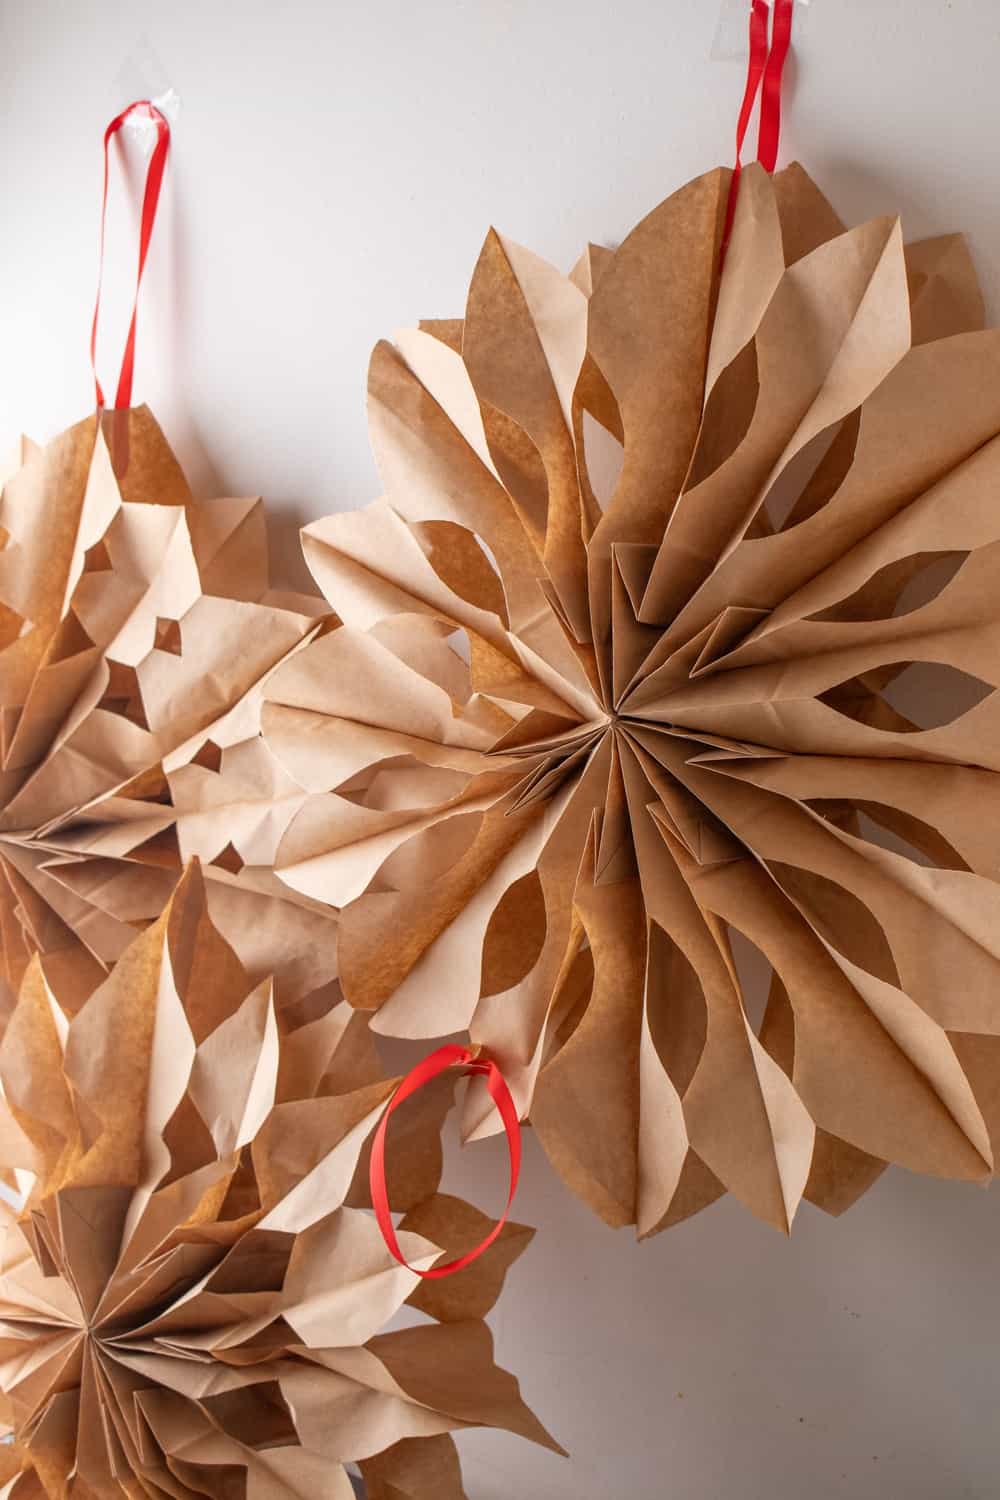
123 695
228 859
209 757
96 559
168 636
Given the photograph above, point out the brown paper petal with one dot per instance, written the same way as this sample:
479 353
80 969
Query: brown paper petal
415 1471
457 1227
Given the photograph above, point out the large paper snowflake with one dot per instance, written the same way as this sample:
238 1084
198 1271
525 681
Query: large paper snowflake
621 712
136 631
188 1304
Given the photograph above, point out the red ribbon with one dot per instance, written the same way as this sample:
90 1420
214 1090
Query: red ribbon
770 95
142 109
450 1056
764 72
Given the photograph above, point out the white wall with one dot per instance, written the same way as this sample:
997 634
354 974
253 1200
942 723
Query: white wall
335 169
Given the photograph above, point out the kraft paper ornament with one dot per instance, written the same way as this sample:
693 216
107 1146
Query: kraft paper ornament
137 630
622 712
189 1305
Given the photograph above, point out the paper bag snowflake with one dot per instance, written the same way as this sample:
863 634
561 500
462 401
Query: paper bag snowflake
136 632
623 711
188 1304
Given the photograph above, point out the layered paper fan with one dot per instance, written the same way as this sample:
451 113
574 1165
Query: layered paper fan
189 1305
136 632
623 713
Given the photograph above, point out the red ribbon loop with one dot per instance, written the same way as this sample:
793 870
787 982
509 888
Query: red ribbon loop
764 72
142 109
769 128
450 1056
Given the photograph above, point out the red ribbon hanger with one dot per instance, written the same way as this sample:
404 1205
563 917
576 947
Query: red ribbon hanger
764 73
439 1062
142 109
769 129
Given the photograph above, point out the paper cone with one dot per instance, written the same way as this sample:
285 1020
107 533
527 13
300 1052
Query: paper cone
137 631
188 1305
617 713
